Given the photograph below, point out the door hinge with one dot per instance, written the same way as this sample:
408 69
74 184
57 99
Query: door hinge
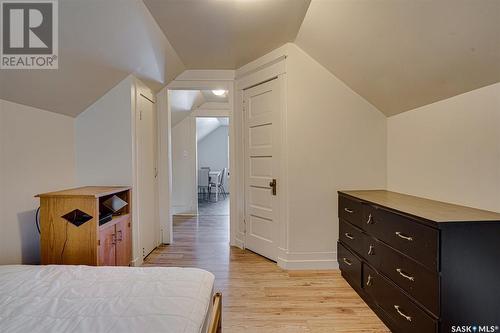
143 252
140 114
99 242
244 226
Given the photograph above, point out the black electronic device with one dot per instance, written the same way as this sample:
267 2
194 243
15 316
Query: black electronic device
105 217
114 204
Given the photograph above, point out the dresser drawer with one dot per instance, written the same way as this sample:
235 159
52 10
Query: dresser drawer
418 281
350 210
351 236
404 315
406 235
350 265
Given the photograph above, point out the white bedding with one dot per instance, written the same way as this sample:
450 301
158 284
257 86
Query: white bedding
104 299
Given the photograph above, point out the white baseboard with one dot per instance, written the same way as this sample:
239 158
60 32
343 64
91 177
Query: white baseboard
136 262
307 260
239 243
183 210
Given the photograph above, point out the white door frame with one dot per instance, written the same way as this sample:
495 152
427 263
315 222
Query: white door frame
195 80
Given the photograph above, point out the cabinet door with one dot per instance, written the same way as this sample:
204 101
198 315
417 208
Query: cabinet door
123 243
107 250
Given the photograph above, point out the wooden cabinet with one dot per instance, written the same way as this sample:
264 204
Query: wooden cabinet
70 230
107 246
123 242
115 242
423 266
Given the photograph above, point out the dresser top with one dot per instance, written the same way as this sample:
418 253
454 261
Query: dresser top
87 191
432 210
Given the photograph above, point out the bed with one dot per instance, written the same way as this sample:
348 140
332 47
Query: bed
108 299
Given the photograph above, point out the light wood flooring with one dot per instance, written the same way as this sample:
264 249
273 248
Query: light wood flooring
258 296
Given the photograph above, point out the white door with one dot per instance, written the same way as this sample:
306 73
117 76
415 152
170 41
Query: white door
146 171
261 105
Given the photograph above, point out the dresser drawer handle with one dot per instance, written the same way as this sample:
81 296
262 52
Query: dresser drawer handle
348 235
369 281
406 276
350 211
371 250
369 219
347 261
398 309
400 235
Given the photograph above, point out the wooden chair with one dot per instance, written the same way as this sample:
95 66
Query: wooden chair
220 185
203 183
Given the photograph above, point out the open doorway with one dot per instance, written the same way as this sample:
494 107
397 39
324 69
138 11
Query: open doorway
212 136
200 162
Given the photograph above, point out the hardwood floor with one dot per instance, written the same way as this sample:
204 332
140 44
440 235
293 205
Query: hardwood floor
211 207
258 296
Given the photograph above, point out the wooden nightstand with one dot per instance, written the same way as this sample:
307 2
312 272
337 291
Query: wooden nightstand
70 230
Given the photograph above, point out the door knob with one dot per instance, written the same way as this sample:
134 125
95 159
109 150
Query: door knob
272 184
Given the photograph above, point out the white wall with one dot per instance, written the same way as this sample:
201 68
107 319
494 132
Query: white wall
184 192
336 141
449 150
104 139
213 149
36 156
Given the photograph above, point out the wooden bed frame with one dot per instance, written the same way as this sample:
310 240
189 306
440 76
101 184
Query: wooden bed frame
216 316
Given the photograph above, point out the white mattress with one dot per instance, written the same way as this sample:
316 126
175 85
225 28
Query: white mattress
104 299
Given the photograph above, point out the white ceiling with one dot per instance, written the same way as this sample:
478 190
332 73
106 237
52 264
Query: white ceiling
100 43
182 102
226 34
402 54
206 125
209 96
397 54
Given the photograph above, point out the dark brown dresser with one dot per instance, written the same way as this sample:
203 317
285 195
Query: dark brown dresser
423 266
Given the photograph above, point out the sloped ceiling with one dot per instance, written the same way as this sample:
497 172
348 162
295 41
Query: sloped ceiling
227 34
397 54
100 43
182 102
402 54
205 126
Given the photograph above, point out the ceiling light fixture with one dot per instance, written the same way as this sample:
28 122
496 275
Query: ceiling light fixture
219 92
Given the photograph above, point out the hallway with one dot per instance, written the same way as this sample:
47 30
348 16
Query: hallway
214 208
258 296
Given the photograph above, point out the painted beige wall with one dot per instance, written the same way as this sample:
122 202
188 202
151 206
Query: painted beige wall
212 150
36 156
104 138
449 150
184 200
336 140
